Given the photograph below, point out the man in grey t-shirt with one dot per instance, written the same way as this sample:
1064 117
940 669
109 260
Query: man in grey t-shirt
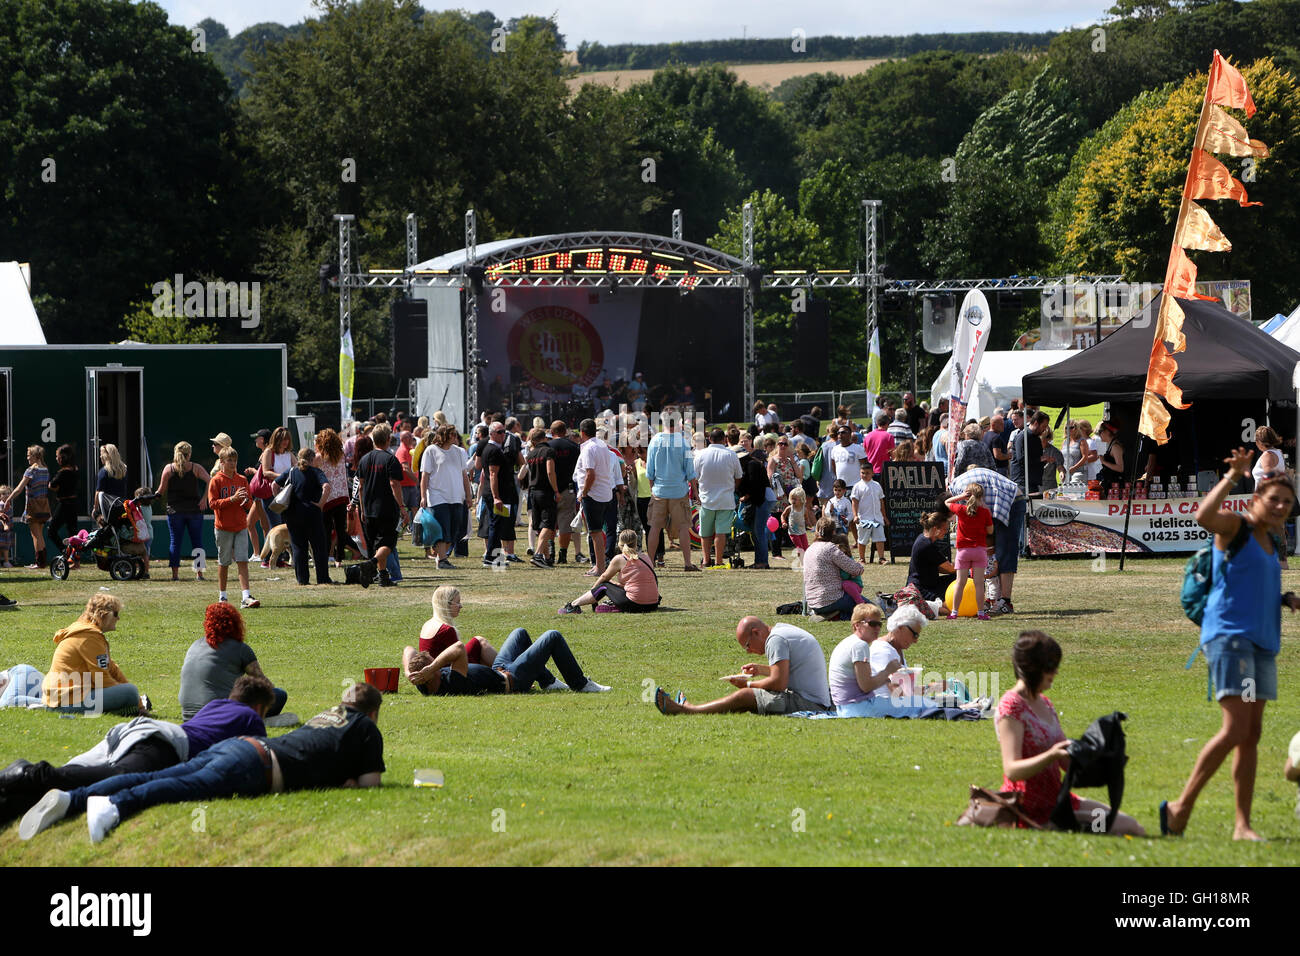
793 679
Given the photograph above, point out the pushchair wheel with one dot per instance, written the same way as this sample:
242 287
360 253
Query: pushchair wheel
121 569
59 568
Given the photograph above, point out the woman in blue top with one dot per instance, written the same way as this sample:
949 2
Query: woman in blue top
1240 635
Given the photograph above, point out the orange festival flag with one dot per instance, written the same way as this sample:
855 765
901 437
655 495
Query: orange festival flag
1180 280
1154 420
1225 135
1199 231
1210 179
1228 87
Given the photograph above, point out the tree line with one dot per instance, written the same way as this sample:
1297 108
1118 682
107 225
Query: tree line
128 155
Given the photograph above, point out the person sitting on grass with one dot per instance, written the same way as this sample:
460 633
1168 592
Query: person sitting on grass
215 661
792 680
823 585
439 632
141 744
83 677
850 675
341 747
930 568
637 590
519 664
1034 748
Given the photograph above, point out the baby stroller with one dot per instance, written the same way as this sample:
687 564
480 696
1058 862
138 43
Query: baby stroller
112 545
742 534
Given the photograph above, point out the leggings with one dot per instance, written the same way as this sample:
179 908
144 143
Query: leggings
336 520
618 597
177 525
65 516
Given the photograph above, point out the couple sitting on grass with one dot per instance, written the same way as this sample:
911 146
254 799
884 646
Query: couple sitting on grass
867 676
443 665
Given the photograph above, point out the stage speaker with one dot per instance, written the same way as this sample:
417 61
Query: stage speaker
410 338
812 340
938 322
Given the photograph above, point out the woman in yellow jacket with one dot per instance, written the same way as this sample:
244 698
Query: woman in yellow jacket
83 677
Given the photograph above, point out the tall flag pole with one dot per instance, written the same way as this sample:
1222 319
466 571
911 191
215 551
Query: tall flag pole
1207 178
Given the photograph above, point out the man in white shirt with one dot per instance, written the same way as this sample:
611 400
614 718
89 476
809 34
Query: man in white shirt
718 472
594 478
846 457
792 680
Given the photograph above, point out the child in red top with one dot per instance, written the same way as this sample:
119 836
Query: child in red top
974 525
228 495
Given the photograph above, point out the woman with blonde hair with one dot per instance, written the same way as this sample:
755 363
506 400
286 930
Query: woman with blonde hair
439 632
111 478
276 460
36 482
83 675
185 485
637 591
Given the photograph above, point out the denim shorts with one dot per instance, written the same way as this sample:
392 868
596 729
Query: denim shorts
1241 668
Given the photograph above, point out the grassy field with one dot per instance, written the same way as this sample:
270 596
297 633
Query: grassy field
605 779
760 75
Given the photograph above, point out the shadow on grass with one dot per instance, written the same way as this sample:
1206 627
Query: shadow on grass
1065 612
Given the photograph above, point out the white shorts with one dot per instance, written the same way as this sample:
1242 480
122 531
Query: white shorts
870 535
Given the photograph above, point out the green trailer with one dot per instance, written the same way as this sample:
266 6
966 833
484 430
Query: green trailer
141 398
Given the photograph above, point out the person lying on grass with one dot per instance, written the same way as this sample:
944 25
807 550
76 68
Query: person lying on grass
141 745
793 679
341 747
439 632
519 664
638 589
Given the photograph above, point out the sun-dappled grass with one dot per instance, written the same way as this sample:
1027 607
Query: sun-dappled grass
605 779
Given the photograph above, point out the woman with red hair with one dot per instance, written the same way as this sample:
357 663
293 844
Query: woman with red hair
216 660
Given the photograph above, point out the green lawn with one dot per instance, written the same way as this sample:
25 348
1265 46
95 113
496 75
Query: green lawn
573 779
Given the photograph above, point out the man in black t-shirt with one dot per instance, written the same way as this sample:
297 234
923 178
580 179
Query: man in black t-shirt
566 460
381 504
499 472
543 494
341 747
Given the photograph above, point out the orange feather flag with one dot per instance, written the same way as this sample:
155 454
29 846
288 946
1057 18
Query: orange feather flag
1210 179
1228 86
1223 134
1154 420
1180 280
1199 231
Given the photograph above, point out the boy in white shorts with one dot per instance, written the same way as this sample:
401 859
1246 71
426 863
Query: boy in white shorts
868 514
228 495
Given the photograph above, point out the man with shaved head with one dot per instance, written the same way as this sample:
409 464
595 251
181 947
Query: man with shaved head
793 679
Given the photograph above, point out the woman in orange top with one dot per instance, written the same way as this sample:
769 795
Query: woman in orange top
83 676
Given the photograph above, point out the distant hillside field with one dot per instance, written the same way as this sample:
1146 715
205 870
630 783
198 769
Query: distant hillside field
760 75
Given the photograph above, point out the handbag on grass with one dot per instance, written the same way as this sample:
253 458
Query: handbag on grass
989 808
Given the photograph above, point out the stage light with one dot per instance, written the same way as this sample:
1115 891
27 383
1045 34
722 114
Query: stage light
476 274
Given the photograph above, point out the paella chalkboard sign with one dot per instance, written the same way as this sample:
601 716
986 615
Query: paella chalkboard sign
911 489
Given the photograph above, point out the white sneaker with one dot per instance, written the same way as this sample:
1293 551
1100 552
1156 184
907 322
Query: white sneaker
250 601
592 688
49 810
558 685
101 816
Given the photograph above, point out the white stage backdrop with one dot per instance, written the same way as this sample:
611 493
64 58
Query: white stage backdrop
559 337
446 358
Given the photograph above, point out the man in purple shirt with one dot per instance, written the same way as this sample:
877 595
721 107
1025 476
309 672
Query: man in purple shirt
141 745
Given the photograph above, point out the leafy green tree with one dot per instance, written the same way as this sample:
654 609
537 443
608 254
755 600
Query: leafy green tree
807 98
1128 198
143 323
114 158
921 106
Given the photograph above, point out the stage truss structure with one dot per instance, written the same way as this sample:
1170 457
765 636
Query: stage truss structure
608 260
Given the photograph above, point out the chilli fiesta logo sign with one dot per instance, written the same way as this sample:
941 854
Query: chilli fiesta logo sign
556 347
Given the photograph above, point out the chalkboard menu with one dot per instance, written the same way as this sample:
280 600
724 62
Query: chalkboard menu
911 489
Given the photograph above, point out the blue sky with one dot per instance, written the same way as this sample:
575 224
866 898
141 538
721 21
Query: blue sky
664 20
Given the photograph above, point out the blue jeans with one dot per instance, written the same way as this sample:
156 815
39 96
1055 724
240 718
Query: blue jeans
761 534
843 607
394 566
118 699
225 769
176 526
277 706
452 519
1006 538
24 687
526 661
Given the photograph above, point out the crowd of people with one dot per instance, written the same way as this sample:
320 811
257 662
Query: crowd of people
630 501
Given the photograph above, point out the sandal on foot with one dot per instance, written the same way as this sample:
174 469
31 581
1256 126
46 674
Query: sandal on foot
1164 821
661 700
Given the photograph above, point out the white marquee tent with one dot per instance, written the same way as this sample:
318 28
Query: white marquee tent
998 379
18 322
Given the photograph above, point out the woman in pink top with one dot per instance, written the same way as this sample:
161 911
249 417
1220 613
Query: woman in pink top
1033 746
637 590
